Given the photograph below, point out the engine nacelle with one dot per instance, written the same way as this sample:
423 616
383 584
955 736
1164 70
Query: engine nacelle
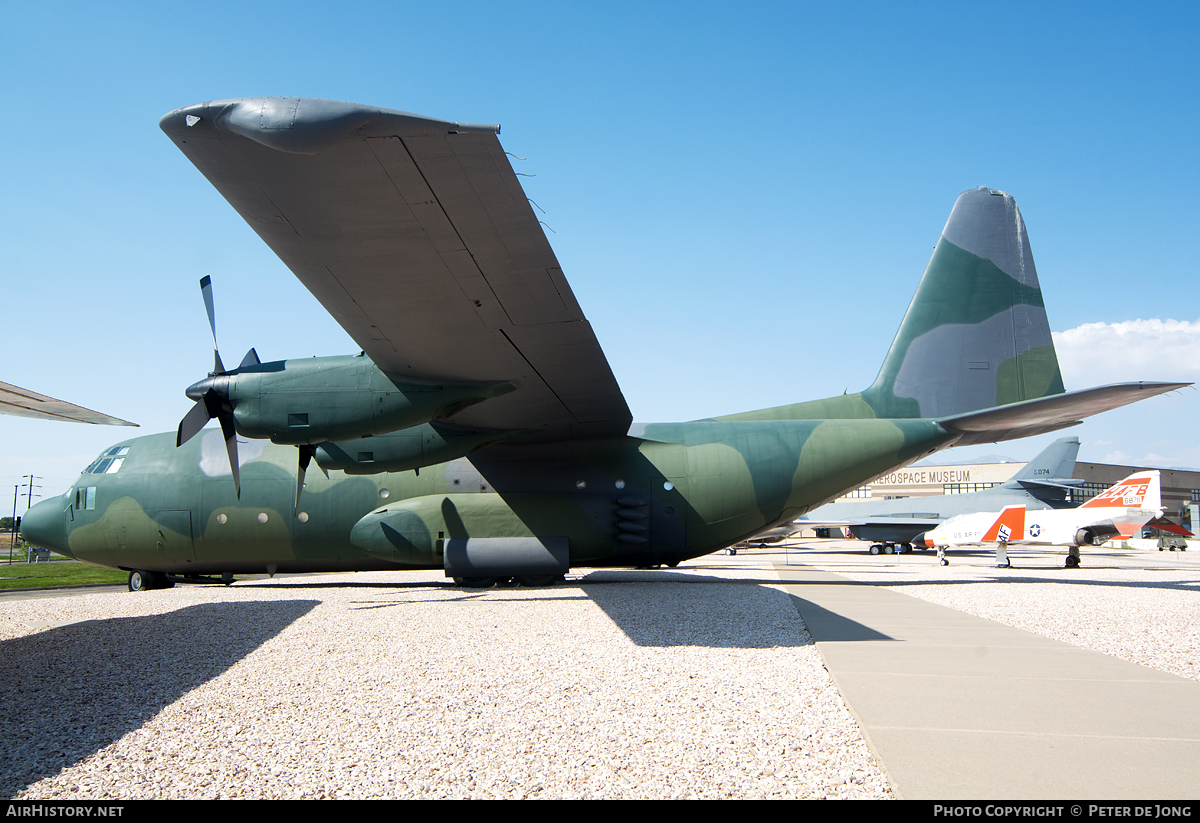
411 448
1095 535
293 402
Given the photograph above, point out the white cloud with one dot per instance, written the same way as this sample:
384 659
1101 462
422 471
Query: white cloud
1098 353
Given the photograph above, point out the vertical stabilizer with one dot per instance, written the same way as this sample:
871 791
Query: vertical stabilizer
1140 490
1056 462
976 334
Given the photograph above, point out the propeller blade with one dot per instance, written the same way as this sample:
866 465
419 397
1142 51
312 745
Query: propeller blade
306 453
251 359
192 422
231 450
206 290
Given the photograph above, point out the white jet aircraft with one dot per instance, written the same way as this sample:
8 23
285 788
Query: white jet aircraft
1119 511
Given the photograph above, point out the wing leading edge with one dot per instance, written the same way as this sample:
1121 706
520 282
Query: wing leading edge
416 236
24 403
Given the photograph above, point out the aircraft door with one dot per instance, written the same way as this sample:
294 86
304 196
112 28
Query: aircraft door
667 521
173 533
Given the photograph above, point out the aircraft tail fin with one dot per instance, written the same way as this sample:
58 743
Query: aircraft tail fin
1009 526
1056 462
976 334
1140 490
974 350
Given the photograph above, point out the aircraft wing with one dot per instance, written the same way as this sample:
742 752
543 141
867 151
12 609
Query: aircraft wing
416 236
876 528
24 403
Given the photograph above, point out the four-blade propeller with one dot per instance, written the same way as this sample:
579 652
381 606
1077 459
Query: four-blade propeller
212 395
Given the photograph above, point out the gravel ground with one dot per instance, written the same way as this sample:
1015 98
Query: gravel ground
700 682
1138 605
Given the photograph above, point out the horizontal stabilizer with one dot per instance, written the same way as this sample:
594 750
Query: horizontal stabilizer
1068 485
1046 414
1167 525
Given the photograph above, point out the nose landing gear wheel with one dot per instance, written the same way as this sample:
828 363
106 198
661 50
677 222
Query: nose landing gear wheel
140 581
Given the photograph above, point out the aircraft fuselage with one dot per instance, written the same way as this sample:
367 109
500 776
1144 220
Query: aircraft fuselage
678 491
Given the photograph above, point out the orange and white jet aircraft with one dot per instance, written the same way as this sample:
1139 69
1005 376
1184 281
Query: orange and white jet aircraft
1119 511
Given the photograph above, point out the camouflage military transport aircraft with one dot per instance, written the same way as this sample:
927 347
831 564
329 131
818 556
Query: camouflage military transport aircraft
481 430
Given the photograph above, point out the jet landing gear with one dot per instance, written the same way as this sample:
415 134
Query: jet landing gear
891 548
140 581
1072 558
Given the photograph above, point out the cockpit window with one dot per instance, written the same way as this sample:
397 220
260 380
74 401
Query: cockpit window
85 498
109 462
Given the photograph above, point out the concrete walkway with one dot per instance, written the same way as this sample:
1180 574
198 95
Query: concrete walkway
958 707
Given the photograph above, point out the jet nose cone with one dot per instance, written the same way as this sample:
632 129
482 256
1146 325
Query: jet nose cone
44 526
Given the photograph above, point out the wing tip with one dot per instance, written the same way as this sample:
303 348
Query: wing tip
303 125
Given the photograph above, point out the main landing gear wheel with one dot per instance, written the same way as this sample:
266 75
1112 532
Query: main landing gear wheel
945 562
1072 562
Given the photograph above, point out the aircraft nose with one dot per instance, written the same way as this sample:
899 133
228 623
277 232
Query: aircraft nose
44 526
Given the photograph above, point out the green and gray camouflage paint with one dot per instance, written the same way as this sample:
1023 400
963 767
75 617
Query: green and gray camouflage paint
975 336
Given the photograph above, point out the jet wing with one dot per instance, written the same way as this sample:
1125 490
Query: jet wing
896 528
416 236
24 403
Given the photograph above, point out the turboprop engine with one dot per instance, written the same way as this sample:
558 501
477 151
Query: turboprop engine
321 399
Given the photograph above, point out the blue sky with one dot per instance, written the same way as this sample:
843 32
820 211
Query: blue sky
743 196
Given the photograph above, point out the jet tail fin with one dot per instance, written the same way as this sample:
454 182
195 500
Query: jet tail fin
1056 462
1140 490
